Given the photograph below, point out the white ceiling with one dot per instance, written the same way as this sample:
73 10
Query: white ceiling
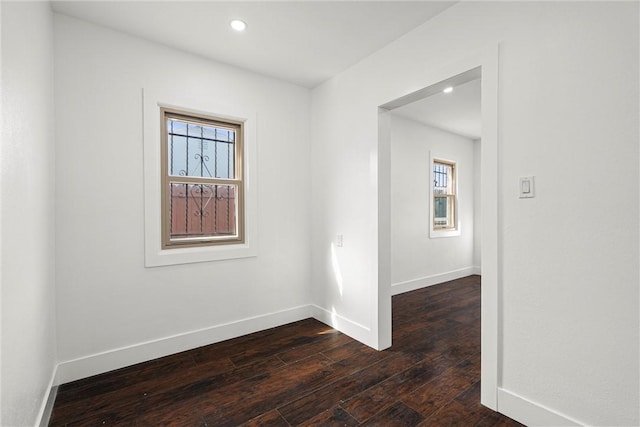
303 42
457 112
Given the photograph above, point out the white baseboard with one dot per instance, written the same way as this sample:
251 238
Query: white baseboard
422 282
83 367
346 326
530 413
46 408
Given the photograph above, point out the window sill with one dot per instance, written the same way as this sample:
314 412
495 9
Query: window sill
436 234
197 254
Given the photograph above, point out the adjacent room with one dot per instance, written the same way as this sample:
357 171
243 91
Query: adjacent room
170 183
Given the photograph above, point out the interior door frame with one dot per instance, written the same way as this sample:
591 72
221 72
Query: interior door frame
487 62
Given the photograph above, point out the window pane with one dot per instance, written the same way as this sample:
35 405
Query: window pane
440 209
225 160
439 177
200 150
444 211
194 130
176 127
442 178
200 210
177 155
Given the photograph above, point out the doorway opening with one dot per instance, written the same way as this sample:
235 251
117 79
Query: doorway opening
483 71
435 186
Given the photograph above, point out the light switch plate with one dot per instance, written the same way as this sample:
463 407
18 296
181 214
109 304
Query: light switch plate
526 187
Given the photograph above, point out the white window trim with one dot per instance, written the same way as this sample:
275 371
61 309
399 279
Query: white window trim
433 233
154 254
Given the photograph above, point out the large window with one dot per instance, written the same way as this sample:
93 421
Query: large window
444 210
202 180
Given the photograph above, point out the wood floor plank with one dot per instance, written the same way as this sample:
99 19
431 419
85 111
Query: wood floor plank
332 417
274 390
268 419
324 342
443 389
396 415
124 416
269 341
336 393
186 384
452 414
347 350
171 415
306 373
366 404
292 336
290 386
115 380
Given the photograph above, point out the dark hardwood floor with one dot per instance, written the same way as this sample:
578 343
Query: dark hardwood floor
306 373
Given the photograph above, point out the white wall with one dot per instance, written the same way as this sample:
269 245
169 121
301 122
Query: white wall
416 259
568 106
113 311
27 174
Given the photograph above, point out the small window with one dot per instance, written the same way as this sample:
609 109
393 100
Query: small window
444 195
202 185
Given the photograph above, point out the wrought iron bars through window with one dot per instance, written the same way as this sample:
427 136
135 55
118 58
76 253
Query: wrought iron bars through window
203 179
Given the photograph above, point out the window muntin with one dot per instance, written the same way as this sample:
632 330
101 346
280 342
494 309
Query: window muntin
444 195
202 181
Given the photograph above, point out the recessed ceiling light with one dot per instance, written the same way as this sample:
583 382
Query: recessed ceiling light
448 89
238 25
